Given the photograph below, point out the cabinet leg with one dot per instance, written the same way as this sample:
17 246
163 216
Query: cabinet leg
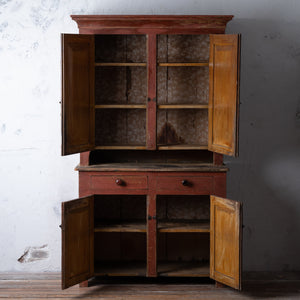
219 285
84 284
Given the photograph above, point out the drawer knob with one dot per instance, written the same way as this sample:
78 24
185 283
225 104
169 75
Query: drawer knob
185 182
119 181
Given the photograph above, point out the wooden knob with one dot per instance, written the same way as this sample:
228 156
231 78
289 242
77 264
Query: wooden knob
185 182
119 181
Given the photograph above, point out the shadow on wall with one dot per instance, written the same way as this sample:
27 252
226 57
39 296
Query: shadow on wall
266 176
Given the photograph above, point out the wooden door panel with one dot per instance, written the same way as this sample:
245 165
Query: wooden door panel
225 241
224 93
78 132
77 241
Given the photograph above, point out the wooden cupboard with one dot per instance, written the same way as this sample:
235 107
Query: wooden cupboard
151 103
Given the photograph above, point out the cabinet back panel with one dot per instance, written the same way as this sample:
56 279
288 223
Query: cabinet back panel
120 85
185 207
182 85
120 247
120 127
119 207
182 48
183 247
120 48
181 127
143 156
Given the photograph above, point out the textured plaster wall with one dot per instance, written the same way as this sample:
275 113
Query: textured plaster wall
35 179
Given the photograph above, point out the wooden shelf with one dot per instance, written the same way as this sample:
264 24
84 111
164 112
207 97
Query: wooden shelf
120 268
184 64
183 226
121 106
183 106
183 269
112 64
156 167
182 147
121 227
121 147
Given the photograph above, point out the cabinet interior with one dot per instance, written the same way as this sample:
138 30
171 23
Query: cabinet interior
183 235
121 91
163 158
120 235
182 241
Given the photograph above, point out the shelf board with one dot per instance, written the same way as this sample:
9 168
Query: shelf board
120 268
121 147
122 106
112 64
183 226
182 147
183 106
183 269
121 227
185 64
155 167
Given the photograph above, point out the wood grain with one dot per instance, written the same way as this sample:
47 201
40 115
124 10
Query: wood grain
225 242
223 94
141 24
78 131
280 285
182 64
121 227
187 226
151 105
77 241
151 235
183 269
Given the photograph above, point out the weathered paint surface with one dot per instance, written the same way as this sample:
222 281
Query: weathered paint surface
35 178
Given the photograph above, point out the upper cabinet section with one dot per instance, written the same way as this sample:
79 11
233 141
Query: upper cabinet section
150 83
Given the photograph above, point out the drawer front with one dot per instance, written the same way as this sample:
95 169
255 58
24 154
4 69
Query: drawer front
115 182
185 184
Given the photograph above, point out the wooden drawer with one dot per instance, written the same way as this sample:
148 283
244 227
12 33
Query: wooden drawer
121 182
185 184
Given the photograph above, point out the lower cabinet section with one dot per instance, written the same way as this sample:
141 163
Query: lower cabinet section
112 235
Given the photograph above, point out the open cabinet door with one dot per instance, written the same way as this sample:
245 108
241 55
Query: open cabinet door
77 241
224 60
78 93
225 241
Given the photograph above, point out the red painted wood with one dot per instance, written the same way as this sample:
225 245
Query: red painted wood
143 183
84 283
151 105
96 182
84 158
218 159
122 182
152 31
142 24
151 235
186 184
220 185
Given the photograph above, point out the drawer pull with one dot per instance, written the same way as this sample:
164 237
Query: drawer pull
119 182
185 183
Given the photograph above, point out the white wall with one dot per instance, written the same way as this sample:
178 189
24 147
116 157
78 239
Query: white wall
35 179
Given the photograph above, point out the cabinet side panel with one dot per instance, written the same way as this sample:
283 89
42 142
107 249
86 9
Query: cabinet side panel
77 93
223 93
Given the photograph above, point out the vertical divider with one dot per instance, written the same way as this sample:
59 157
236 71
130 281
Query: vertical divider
151 99
151 236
